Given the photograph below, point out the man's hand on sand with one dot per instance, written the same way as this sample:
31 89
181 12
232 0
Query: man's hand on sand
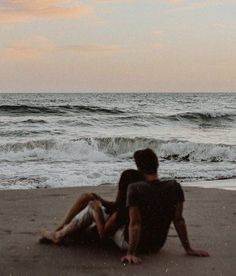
197 253
131 259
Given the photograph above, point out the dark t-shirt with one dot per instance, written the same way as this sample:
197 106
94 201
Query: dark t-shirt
157 202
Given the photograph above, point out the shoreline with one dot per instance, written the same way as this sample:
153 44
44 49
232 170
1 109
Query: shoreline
222 184
210 215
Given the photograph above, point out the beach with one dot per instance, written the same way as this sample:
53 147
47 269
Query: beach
210 215
98 95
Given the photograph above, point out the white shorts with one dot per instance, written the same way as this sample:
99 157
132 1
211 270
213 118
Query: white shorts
119 238
86 219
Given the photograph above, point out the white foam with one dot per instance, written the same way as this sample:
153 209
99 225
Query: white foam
82 162
197 151
226 184
53 151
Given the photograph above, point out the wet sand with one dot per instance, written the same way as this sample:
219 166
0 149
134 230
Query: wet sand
210 215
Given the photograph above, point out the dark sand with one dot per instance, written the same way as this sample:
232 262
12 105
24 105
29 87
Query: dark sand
210 216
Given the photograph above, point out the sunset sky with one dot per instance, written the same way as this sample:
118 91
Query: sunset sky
117 45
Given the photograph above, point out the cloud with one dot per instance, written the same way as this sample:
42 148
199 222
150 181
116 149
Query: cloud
175 1
33 47
189 5
114 1
157 33
12 11
28 10
92 48
37 46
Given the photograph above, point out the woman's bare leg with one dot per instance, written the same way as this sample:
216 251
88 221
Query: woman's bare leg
78 206
57 236
92 213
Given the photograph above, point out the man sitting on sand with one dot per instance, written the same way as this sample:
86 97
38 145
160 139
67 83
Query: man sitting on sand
153 205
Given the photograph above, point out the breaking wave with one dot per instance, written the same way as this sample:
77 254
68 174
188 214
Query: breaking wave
107 148
203 117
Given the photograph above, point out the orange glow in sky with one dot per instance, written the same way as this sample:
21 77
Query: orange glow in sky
117 46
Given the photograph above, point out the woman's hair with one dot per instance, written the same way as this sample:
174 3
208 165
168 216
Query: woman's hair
126 178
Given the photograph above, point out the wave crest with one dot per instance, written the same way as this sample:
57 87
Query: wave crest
60 109
106 148
203 117
169 150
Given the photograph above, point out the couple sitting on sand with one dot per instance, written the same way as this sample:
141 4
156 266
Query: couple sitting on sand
139 219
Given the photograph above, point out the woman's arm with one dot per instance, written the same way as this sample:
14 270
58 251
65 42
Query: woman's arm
103 228
107 204
111 225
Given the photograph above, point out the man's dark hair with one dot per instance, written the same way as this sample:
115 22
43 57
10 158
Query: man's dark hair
146 161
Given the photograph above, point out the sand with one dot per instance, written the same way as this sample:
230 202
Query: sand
210 216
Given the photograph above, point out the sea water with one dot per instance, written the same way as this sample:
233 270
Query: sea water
61 140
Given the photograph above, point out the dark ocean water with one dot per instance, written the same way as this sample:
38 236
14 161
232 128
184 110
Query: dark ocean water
58 140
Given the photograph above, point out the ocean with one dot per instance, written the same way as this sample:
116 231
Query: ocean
65 140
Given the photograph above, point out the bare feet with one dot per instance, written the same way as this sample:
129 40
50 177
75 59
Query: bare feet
197 253
50 236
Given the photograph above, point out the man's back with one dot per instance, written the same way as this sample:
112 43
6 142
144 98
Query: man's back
157 202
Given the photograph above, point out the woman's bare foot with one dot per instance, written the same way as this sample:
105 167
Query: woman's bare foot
50 236
44 240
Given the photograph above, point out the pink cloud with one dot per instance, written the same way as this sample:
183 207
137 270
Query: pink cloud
175 1
92 48
28 10
33 47
188 5
37 46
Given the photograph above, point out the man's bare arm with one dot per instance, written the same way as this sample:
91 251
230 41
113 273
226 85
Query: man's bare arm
134 236
181 229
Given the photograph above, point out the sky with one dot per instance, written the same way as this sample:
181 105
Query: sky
117 46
